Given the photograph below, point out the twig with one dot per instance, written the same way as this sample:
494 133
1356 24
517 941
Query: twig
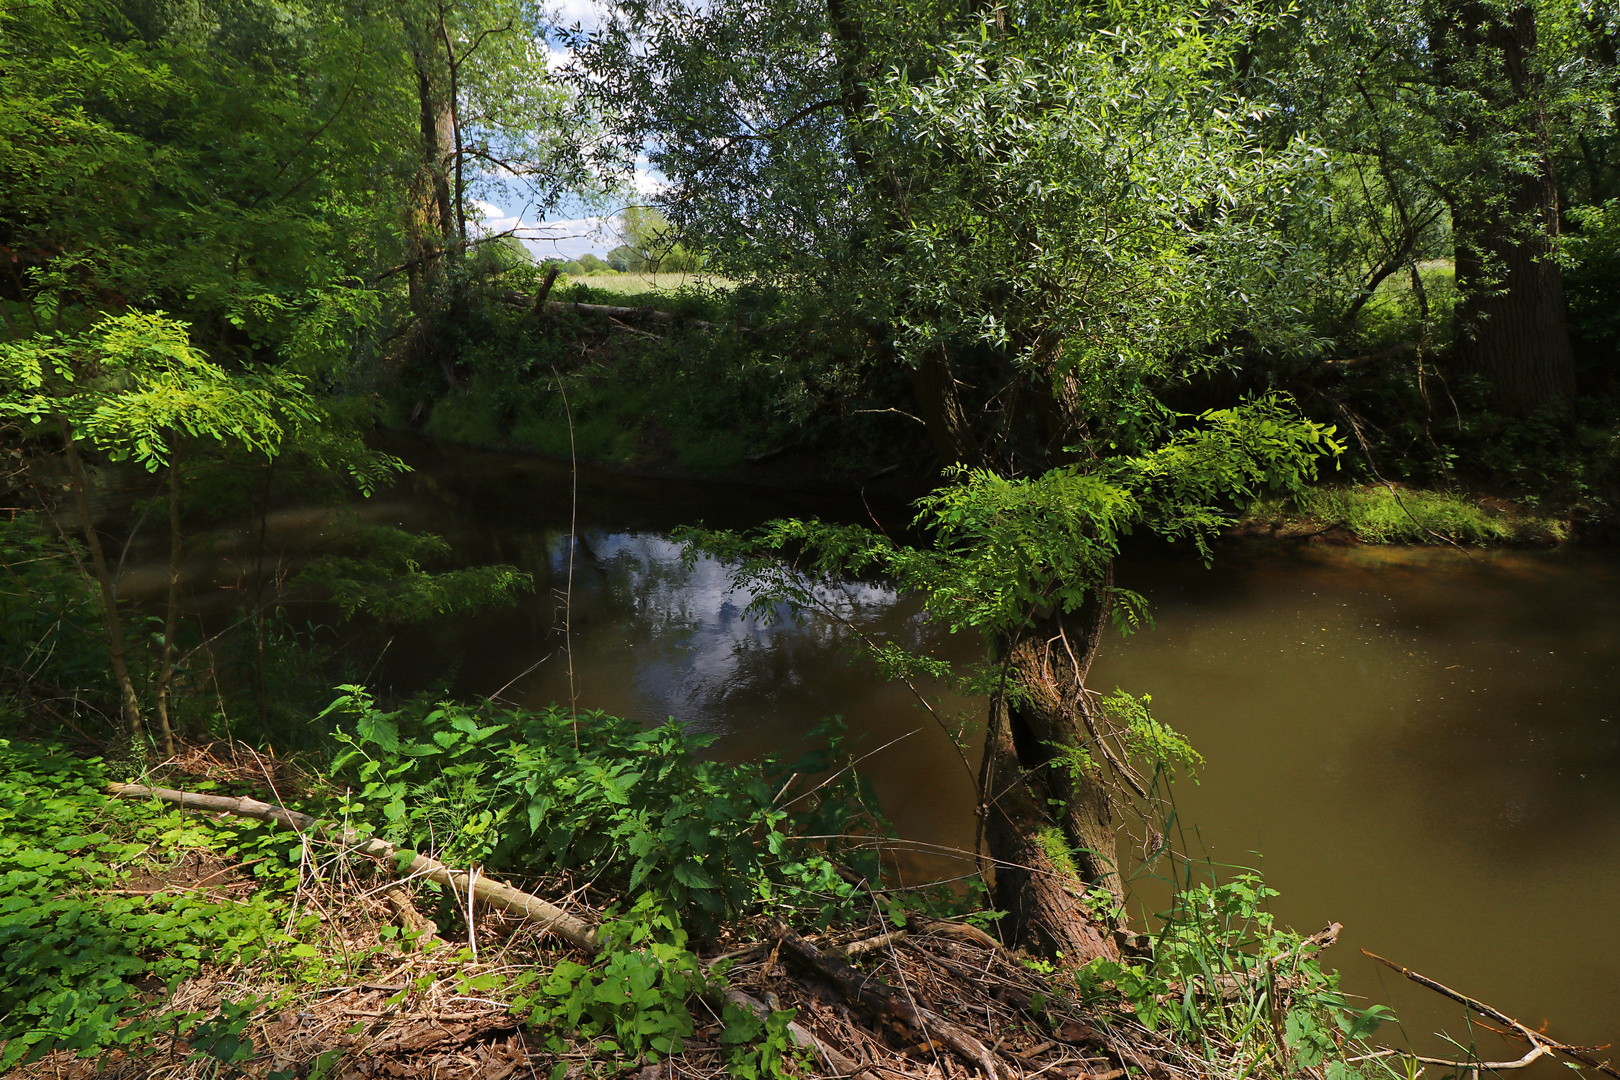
1516 1029
493 893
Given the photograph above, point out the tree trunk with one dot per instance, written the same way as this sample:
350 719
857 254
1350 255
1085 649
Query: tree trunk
433 220
1037 882
171 613
934 385
129 704
1512 325
1049 812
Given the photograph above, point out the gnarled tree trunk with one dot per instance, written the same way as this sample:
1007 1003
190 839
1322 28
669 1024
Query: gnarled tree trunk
1049 810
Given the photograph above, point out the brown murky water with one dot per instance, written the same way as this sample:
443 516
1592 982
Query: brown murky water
1419 744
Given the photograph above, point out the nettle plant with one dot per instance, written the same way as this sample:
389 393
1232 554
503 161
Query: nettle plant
683 845
633 808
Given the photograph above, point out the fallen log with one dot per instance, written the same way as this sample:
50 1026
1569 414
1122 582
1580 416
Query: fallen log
486 890
619 311
876 995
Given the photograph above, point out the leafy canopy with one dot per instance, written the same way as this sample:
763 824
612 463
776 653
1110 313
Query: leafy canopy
134 381
1005 549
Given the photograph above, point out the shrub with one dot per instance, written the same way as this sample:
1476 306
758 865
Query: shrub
635 809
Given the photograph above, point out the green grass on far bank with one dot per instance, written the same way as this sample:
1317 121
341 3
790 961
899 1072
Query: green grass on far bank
1379 514
640 282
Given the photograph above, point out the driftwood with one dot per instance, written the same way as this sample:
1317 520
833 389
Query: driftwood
485 890
874 994
1540 1044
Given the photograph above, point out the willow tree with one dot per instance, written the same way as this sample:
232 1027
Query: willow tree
1043 213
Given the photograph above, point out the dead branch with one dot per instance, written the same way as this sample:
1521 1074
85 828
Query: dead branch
1519 1031
876 995
872 944
493 893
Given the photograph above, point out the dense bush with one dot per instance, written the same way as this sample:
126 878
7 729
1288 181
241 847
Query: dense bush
635 810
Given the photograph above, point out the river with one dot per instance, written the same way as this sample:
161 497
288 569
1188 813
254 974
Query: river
1422 744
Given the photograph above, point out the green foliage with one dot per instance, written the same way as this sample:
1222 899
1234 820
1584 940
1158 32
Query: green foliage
1004 548
385 578
632 1001
1148 738
1222 974
757 1049
49 630
544 791
1379 515
1591 282
77 959
133 383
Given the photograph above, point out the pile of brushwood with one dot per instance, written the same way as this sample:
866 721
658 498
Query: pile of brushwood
644 911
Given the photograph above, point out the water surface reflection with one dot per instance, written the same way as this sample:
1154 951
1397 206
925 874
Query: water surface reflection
1422 745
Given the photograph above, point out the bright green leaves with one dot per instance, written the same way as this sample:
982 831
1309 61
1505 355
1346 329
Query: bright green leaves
1235 455
75 957
1005 549
134 382
546 791
1220 969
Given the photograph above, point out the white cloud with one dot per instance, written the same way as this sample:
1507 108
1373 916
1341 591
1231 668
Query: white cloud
649 182
587 13
568 239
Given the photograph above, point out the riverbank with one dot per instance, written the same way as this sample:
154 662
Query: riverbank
254 942
1370 513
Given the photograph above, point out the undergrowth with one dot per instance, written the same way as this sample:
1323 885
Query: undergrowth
86 963
1379 515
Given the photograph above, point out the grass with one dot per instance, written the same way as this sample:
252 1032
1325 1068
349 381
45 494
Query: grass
637 282
1380 515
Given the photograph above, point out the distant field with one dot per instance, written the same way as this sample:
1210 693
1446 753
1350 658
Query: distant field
640 283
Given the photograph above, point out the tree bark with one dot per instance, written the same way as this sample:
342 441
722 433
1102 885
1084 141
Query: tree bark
1512 325
1038 887
433 220
112 626
171 612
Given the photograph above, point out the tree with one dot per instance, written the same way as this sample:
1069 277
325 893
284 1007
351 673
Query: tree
1457 112
134 388
1512 324
1042 215
652 244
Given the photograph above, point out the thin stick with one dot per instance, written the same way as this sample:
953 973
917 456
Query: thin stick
472 924
573 546
1516 1029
